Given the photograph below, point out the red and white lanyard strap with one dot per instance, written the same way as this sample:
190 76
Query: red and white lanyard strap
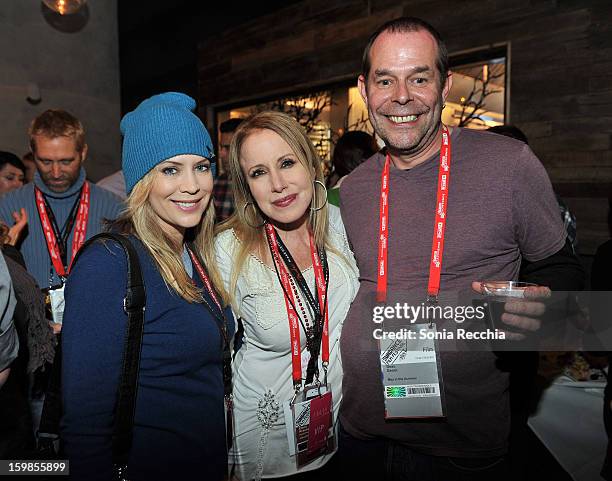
292 315
220 320
314 333
437 245
437 248
205 280
383 233
51 232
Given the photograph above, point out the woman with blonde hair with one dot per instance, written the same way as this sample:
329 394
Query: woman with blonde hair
179 425
285 260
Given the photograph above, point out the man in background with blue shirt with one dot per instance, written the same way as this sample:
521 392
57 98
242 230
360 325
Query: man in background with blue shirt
57 140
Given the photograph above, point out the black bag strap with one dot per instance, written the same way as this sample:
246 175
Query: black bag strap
48 429
134 306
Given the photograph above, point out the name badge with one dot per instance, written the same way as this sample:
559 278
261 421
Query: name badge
411 374
310 432
55 303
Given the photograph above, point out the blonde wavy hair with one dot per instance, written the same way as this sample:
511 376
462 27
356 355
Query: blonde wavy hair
139 218
243 221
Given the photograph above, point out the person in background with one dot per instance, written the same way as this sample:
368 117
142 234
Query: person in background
12 172
114 183
30 165
351 150
222 193
282 242
63 208
179 425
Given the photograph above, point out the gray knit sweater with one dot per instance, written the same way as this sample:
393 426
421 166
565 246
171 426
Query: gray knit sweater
102 205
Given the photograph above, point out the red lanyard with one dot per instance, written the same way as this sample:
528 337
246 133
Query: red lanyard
202 273
294 326
437 248
222 324
80 229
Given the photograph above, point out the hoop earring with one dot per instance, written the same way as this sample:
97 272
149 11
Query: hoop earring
314 195
246 217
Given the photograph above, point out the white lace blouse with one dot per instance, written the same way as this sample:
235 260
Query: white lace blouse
262 368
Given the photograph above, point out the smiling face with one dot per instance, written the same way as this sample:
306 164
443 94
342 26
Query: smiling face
180 193
58 161
403 91
279 183
11 178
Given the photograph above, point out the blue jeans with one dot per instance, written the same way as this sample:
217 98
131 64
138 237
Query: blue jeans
386 460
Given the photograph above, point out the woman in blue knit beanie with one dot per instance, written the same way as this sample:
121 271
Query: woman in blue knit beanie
179 425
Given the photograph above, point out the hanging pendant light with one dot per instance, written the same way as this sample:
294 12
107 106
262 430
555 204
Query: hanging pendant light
65 7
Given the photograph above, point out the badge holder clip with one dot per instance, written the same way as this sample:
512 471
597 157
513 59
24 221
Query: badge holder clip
431 301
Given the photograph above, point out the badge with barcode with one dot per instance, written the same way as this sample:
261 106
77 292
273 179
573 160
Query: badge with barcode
412 381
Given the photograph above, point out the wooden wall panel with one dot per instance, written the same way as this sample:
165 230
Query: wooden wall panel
560 81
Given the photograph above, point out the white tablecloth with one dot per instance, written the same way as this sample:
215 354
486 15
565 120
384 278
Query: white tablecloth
569 422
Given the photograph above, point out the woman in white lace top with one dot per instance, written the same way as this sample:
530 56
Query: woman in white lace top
270 253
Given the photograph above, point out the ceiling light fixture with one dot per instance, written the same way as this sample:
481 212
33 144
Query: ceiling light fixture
65 7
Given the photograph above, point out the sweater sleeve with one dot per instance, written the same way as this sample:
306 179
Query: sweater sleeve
537 222
93 337
116 206
105 206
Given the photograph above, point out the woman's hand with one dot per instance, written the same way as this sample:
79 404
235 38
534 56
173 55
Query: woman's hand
56 327
21 220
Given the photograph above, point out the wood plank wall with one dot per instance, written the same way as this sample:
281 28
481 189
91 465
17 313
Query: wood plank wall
560 73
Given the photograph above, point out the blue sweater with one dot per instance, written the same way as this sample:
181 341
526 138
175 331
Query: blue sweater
179 427
102 205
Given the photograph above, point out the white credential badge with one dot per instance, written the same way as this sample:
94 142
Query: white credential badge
412 383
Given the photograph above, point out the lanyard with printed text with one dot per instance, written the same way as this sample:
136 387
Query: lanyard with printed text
222 325
54 237
204 277
218 316
437 248
321 328
317 304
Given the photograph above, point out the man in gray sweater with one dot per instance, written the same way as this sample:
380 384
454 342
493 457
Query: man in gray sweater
63 208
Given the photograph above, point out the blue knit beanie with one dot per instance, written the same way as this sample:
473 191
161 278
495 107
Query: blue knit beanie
160 128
